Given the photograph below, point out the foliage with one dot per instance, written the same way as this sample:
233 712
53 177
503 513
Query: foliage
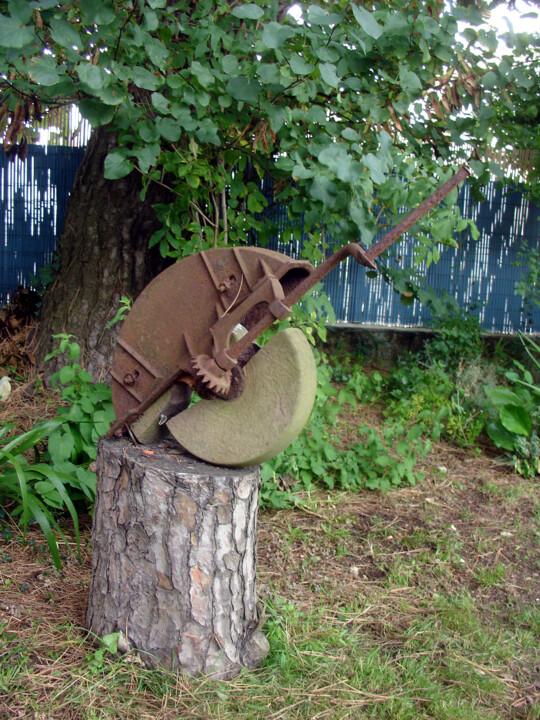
350 113
457 337
375 460
448 391
528 287
515 424
59 477
125 307
17 478
73 445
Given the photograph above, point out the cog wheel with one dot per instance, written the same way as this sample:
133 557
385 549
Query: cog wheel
210 375
280 387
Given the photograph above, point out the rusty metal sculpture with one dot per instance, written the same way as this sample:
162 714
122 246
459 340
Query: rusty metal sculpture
179 331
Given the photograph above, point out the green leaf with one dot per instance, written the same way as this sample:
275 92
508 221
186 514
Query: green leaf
110 641
97 12
515 419
402 447
241 88
117 165
376 168
61 445
175 81
501 437
20 10
143 78
328 74
318 16
44 521
490 80
324 190
301 172
275 35
157 52
269 74
66 374
27 440
44 71
13 35
249 11
229 63
148 132
23 487
410 81
330 452
277 116
366 21
160 102
96 112
299 66
208 132
183 114
203 74
147 156
101 422
169 129
91 75
64 34
500 396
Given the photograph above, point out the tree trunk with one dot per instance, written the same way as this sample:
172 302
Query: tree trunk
174 559
103 253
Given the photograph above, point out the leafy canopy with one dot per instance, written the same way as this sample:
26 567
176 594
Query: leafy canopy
350 112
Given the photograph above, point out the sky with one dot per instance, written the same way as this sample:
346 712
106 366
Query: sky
501 13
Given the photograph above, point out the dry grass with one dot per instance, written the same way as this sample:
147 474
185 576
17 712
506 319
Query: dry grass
378 606
423 602
29 401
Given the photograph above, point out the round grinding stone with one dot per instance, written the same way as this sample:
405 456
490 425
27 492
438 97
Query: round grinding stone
278 395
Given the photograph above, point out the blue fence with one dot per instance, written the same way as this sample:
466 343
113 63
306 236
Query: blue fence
33 200
480 273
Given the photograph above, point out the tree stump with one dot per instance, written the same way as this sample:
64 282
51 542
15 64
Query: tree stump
174 559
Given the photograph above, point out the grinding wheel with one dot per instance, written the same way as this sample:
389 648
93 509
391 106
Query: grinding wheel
281 380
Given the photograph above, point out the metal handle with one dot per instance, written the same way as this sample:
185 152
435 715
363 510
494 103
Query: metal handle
364 257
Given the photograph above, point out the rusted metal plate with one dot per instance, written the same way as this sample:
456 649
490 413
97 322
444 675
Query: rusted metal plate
190 310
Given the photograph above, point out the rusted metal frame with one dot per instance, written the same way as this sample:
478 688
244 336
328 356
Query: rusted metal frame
130 350
357 252
159 387
353 249
213 277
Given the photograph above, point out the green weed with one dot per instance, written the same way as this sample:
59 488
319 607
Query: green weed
57 478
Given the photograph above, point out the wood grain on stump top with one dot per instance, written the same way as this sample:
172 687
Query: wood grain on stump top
174 559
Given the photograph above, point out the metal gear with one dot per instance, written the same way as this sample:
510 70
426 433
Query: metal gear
210 375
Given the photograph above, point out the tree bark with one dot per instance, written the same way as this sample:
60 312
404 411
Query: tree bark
174 559
103 253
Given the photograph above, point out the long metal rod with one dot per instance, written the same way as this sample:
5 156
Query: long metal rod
418 212
364 257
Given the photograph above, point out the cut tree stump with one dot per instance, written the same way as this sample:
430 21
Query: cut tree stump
174 559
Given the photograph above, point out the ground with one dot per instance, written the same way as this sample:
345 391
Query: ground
423 602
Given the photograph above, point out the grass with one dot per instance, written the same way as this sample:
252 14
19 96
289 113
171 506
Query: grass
420 603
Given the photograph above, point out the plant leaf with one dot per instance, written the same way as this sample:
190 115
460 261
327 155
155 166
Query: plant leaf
515 419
